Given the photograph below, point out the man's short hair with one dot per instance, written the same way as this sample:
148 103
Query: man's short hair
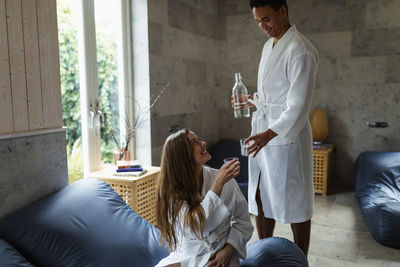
274 4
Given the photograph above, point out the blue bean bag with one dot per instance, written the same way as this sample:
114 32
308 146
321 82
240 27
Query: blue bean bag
84 224
377 189
88 224
9 256
274 252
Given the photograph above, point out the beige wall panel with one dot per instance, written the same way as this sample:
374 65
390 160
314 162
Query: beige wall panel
382 14
32 64
6 115
17 64
49 63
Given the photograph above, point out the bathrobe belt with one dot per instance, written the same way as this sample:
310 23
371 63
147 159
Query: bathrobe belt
263 107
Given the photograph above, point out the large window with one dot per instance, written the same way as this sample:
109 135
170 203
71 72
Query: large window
96 69
106 22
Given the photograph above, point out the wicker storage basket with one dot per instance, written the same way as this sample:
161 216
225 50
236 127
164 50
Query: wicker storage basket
323 168
139 192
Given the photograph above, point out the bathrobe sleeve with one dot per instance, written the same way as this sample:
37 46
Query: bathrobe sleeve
242 228
227 221
232 205
301 72
216 213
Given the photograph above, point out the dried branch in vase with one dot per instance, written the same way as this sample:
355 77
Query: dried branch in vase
123 140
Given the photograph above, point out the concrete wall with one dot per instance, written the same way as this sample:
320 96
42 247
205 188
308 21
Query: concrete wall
359 47
201 44
32 165
184 37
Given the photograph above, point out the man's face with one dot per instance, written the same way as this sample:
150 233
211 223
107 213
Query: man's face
270 21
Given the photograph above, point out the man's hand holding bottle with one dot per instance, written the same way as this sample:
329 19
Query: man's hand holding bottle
242 99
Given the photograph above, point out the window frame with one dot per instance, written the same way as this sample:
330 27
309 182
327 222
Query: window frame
88 79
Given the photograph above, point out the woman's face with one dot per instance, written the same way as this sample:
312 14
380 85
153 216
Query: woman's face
201 156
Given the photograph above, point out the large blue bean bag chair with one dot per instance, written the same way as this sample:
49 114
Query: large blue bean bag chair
9 256
84 224
88 224
274 252
377 189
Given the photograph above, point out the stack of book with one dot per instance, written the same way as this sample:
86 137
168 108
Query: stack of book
321 146
129 168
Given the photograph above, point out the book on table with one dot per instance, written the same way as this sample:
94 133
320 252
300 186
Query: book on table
126 164
322 146
130 173
130 170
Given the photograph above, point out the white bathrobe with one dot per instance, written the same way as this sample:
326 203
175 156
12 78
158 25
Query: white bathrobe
284 167
227 221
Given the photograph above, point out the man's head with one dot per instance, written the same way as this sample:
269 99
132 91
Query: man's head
271 16
275 4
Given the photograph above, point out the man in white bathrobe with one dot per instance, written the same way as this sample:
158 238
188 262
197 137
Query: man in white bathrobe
281 164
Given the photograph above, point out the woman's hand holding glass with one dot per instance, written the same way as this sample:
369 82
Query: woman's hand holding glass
227 171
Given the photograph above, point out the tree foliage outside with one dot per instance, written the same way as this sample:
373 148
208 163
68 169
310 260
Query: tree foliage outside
69 72
70 87
75 161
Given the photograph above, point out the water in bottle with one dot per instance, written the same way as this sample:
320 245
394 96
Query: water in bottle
239 92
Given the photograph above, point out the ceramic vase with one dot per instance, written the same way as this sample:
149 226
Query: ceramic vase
319 125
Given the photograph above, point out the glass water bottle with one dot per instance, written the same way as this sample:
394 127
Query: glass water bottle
239 93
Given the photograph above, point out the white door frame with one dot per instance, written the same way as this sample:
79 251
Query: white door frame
88 86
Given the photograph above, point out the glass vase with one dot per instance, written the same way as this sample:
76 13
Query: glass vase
121 154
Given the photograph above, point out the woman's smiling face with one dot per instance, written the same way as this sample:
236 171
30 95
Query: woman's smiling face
201 156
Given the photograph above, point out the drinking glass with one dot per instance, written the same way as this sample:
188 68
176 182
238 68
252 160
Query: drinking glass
243 147
229 159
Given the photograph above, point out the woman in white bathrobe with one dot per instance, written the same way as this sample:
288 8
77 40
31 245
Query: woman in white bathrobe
202 214
281 166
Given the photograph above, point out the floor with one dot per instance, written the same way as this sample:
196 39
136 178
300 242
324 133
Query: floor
339 236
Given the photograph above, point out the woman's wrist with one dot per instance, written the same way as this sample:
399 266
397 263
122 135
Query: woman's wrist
230 248
217 188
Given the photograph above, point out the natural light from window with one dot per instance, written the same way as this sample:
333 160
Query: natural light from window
106 24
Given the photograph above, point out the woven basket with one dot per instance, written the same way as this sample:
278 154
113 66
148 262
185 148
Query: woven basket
139 193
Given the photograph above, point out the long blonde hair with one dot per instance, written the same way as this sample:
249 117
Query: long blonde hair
178 184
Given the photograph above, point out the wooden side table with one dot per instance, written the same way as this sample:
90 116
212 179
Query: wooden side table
139 192
323 169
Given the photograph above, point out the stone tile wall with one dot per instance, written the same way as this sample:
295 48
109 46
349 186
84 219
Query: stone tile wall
359 48
199 45
184 37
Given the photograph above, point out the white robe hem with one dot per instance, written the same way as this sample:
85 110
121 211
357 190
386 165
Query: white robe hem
286 221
